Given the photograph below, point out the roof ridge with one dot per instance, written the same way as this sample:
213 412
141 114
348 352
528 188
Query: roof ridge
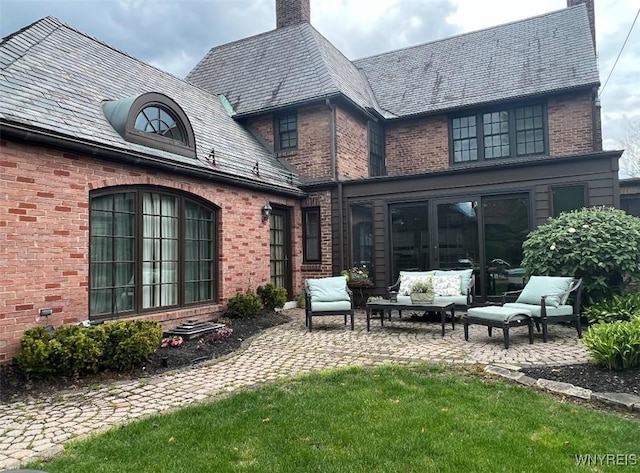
51 22
468 33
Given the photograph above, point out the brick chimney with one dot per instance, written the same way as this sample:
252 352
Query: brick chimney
590 13
293 12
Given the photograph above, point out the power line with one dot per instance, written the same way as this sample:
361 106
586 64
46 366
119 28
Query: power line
620 53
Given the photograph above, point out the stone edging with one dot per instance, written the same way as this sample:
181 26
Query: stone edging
625 400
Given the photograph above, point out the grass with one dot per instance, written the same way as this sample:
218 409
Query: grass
390 419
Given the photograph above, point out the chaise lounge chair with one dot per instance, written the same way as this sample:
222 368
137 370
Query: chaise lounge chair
544 300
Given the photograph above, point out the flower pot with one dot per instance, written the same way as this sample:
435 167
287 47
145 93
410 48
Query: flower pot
421 297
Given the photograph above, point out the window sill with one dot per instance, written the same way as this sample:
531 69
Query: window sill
287 152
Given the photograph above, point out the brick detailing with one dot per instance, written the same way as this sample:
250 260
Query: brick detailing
352 145
45 236
417 146
292 12
571 127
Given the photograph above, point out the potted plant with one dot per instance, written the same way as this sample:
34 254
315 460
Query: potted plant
422 291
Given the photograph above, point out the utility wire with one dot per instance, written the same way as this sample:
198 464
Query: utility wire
620 53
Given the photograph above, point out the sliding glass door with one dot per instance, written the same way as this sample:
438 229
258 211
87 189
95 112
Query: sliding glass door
485 233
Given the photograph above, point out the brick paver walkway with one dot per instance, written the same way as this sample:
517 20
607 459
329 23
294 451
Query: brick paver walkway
40 427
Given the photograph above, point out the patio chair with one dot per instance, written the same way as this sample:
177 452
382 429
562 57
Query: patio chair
328 296
547 297
542 301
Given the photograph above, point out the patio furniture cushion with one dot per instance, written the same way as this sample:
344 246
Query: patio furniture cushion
465 277
328 290
536 310
409 278
554 287
448 285
497 314
331 306
459 300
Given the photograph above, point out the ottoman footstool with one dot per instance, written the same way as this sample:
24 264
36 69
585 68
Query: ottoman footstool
498 317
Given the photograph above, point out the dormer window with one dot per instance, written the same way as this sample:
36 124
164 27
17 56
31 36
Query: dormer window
152 120
157 120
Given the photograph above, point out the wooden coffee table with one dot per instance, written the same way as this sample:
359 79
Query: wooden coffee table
382 305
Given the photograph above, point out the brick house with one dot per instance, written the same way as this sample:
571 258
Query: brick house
131 193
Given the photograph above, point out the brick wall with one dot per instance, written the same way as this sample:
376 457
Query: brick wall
323 201
417 146
44 223
292 12
352 145
570 119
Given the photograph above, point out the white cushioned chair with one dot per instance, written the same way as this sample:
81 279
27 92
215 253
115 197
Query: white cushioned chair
328 296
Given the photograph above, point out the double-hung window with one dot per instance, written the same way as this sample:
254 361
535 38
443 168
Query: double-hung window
149 249
500 133
286 132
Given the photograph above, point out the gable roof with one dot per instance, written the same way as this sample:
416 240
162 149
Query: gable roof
54 79
548 53
283 67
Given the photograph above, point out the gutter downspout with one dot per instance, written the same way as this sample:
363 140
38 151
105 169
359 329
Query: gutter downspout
334 178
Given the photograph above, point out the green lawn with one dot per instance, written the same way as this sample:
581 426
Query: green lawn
389 419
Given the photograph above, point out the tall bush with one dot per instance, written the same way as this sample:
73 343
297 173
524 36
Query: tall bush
601 245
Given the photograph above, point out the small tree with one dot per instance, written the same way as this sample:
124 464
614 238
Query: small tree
601 245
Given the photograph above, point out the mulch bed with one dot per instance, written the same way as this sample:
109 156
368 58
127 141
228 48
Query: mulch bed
14 386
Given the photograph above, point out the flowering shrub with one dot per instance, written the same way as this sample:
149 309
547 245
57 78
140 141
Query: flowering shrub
173 341
215 336
601 245
357 275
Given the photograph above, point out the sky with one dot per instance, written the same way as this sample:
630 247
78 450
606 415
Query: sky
174 35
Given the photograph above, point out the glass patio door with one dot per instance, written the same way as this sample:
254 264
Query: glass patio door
280 250
457 235
506 225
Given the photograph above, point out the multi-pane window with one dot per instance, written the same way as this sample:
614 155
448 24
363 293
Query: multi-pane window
157 120
496 134
286 132
513 132
529 130
311 234
149 249
465 140
376 150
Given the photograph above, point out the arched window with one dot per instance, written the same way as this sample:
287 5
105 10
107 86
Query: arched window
152 120
150 248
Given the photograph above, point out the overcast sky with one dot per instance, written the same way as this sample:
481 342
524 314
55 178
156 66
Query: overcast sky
175 34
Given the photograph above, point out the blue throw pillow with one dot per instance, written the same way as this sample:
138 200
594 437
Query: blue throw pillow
553 286
328 289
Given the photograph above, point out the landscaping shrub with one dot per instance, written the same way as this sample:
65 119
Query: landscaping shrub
620 307
33 358
615 345
129 344
601 245
75 350
244 305
272 296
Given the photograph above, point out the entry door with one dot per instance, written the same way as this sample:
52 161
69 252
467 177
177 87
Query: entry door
280 248
457 242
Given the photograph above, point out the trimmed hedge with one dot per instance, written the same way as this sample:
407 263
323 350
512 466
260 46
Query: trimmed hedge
76 350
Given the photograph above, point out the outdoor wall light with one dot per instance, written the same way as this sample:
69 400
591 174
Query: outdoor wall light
266 211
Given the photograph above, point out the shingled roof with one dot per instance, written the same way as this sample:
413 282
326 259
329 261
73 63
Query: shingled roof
284 67
53 79
294 65
540 55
